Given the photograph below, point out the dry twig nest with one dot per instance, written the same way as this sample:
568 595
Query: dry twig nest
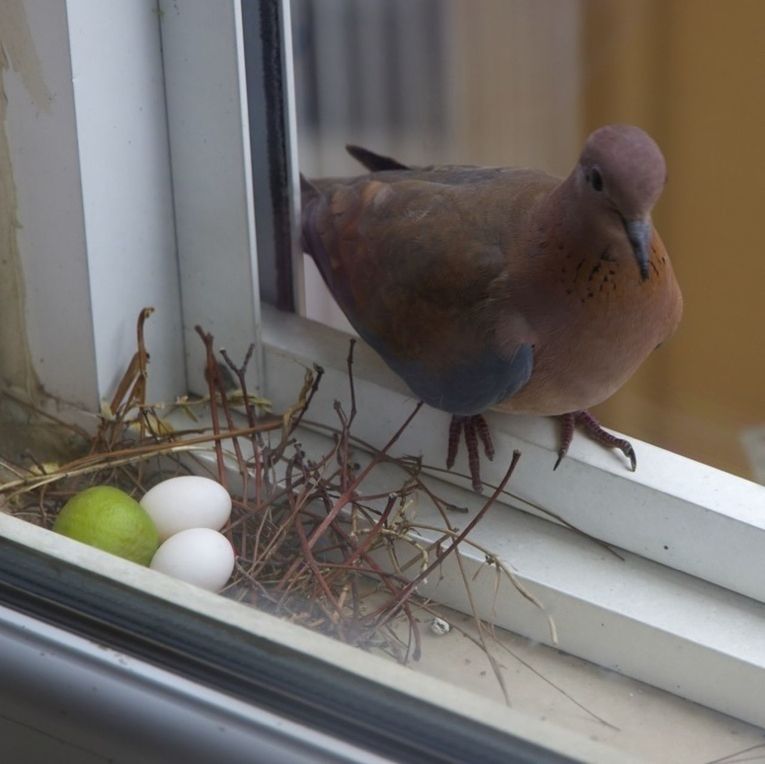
311 545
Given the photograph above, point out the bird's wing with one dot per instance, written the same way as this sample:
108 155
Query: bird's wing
411 257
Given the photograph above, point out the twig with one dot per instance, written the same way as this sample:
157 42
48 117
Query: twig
346 495
469 527
211 376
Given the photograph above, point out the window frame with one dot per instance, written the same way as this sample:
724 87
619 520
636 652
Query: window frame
691 534
79 589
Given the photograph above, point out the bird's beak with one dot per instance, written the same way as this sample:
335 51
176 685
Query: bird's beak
640 233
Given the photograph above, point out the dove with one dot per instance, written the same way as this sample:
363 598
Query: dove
503 288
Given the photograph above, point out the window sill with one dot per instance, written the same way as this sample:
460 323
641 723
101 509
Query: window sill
683 605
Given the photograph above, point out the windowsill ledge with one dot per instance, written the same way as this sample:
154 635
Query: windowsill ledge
683 605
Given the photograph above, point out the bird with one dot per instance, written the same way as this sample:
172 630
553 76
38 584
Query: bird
503 288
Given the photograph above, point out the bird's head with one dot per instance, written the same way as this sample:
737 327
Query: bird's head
622 170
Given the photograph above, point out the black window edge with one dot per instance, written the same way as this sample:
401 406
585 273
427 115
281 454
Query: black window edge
264 29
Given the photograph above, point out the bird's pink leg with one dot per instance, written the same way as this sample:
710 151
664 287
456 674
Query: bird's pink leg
474 427
485 435
474 461
455 430
592 427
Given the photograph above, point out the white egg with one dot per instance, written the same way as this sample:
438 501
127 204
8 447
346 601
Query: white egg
186 502
200 556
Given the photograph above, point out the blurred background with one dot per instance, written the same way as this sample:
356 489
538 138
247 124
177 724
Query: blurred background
522 82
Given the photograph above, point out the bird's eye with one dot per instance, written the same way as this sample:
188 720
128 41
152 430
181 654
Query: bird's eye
596 179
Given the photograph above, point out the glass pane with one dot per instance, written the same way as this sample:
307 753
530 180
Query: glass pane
436 91
522 83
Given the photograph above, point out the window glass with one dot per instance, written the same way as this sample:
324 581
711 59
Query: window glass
425 81
492 82
521 84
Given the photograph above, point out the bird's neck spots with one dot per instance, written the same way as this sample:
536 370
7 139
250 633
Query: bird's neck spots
589 275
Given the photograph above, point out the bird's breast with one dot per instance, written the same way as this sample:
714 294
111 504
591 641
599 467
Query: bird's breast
595 321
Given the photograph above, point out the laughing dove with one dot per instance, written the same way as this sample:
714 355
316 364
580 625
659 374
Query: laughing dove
503 288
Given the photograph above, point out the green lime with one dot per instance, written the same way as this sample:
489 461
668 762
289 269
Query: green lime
109 519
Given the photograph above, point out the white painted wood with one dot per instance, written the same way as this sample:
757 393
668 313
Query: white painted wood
202 53
630 615
91 170
127 195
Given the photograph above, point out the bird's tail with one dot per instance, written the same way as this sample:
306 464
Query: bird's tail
374 162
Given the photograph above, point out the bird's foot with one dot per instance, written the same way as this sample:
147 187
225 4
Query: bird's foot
475 429
592 427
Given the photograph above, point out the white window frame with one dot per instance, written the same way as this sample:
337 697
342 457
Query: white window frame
683 610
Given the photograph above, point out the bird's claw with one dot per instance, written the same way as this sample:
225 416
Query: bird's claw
593 428
629 452
474 428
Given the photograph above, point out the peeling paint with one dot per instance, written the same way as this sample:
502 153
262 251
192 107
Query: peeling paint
17 51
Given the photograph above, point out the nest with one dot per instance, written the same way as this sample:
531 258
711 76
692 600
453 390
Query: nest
312 544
